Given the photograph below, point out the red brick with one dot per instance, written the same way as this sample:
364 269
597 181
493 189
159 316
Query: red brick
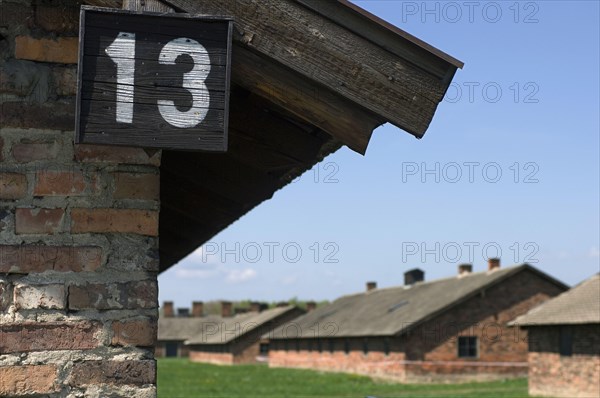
55 115
139 373
49 336
61 183
26 380
142 222
57 18
38 221
140 333
63 50
33 258
131 295
12 186
29 152
50 296
115 154
137 186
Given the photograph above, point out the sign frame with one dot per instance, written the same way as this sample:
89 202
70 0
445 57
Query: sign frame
213 141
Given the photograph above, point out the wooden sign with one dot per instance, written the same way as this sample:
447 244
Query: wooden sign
153 80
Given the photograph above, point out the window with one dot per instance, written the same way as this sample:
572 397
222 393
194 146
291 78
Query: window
386 346
566 342
331 345
346 346
467 347
365 346
309 345
171 349
297 344
264 349
319 345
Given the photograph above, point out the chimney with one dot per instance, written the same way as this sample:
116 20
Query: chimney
310 306
371 286
255 306
197 309
282 304
413 276
465 269
168 309
183 312
493 263
226 309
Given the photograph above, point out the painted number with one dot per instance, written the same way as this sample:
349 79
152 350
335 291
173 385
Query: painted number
122 53
193 81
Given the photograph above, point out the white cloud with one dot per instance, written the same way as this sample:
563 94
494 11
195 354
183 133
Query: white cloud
240 275
289 280
594 252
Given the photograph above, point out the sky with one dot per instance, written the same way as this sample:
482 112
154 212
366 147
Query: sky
509 168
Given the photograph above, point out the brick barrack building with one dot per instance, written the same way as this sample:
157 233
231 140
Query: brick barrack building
233 337
452 329
79 224
564 343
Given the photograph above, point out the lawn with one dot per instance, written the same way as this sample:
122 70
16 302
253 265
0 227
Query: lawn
178 378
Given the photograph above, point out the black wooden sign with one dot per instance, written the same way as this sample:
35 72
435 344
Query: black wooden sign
153 80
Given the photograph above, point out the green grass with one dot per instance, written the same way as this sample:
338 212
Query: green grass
179 378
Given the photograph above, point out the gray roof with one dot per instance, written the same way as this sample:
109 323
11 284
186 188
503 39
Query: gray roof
580 305
216 329
389 311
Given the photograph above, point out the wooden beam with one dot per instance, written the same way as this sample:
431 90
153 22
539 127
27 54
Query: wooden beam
104 3
333 56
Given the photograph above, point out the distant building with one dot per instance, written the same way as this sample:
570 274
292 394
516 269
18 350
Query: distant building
231 338
452 329
564 343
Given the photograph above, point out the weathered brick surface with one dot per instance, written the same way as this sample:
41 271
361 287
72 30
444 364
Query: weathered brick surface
29 152
1 145
51 296
61 50
115 154
38 258
113 372
13 186
38 221
58 115
142 222
5 294
58 17
65 80
27 380
61 183
136 186
14 14
131 295
217 358
48 336
553 375
140 333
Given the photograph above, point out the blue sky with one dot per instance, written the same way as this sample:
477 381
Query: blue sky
509 166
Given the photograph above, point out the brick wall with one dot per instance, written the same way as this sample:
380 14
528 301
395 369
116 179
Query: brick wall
551 374
217 358
430 351
78 227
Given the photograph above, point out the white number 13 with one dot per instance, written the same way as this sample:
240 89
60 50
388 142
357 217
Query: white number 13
122 53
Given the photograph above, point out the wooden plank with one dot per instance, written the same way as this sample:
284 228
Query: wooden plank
141 85
146 5
333 56
315 104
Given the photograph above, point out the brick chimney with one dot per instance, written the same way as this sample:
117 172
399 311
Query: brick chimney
493 263
197 309
168 309
310 306
255 306
413 276
226 309
465 269
371 286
